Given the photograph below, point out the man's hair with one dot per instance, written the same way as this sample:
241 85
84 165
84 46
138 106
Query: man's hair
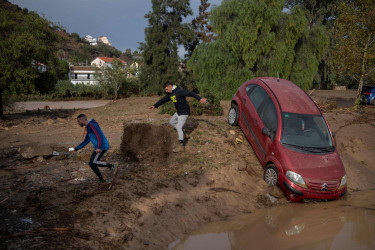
167 83
82 116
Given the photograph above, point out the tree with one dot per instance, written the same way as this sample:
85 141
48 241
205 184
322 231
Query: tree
202 28
354 51
320 12
164 34
257 38
112 77
26 40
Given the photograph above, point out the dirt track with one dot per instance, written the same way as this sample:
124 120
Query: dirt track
54 202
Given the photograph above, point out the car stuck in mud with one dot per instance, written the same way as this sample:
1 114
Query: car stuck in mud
290 137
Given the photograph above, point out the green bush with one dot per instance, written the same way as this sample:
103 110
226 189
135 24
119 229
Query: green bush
66 89
212 107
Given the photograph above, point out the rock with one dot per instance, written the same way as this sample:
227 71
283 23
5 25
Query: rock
276 192
33 150
61 120
49 122
268 200
40 159
232 132
241 166
60 157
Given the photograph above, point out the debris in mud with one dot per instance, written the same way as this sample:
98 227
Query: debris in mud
267 200
145 143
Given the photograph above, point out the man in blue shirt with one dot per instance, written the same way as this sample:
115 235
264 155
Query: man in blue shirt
99 142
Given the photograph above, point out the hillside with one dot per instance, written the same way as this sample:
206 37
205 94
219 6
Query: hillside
71 47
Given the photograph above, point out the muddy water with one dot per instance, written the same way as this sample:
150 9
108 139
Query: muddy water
344 224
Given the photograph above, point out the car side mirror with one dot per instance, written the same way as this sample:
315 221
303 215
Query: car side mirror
268 132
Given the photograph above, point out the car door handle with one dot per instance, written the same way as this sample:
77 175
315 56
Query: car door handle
244 100
255 122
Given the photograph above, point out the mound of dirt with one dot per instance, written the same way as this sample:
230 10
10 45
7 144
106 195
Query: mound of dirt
145 143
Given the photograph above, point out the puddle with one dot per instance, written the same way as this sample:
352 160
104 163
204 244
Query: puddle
325 225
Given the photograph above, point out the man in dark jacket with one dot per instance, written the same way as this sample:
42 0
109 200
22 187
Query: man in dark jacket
178 97
99 142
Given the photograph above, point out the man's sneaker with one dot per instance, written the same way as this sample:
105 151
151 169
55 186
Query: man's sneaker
114 168
102 181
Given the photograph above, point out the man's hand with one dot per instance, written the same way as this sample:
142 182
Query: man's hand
203 100
97 150
152 107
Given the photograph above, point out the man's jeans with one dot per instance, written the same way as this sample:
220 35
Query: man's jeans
178 121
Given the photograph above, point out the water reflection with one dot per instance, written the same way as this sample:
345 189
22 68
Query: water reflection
295 226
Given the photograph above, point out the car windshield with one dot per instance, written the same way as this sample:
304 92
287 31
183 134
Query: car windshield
306 132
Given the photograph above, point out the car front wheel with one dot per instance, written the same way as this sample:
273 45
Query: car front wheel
233 116
271 176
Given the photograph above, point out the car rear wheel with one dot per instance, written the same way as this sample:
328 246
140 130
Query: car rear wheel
271 176
233 116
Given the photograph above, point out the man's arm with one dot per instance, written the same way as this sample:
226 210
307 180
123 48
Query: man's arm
193 94
84 143
161 101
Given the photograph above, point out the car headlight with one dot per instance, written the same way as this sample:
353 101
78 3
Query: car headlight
343 182
296 178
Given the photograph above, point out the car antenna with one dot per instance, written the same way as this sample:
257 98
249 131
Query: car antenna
278 79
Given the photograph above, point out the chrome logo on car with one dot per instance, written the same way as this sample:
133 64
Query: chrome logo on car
324 187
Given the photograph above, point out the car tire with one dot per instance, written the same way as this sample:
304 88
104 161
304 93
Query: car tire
233 115
271 175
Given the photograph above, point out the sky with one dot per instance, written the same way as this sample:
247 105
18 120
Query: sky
122 21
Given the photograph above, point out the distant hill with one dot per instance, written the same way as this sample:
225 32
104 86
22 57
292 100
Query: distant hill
71 47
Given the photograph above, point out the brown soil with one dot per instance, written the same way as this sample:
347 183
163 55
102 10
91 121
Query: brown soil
145 143
157 196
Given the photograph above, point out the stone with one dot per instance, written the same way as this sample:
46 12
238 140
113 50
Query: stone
232 132
32 150
40 159
49 122
241 166
267 199
276 192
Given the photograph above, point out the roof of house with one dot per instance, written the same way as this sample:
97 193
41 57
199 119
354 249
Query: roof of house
82 68
109 59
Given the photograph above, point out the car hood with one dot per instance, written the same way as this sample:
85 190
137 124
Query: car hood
314 166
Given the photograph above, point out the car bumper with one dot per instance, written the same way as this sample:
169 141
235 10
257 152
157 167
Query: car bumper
296 193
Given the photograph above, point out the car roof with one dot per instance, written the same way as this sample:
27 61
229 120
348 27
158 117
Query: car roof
291 97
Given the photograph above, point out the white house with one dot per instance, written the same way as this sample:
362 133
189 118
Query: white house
104 61
91 40
82 74
133 70
104 39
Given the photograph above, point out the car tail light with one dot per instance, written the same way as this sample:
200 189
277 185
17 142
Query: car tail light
366 93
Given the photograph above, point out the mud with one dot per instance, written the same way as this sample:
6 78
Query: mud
345 224
55 202
145 143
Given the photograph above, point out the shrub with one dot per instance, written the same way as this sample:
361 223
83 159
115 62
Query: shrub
66 89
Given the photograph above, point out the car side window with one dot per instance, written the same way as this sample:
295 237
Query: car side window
257 96
249 88
268 114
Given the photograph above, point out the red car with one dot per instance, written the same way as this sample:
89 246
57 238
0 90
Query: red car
290 137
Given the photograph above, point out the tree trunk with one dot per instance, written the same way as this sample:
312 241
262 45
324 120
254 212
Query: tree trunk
363 67
1 105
